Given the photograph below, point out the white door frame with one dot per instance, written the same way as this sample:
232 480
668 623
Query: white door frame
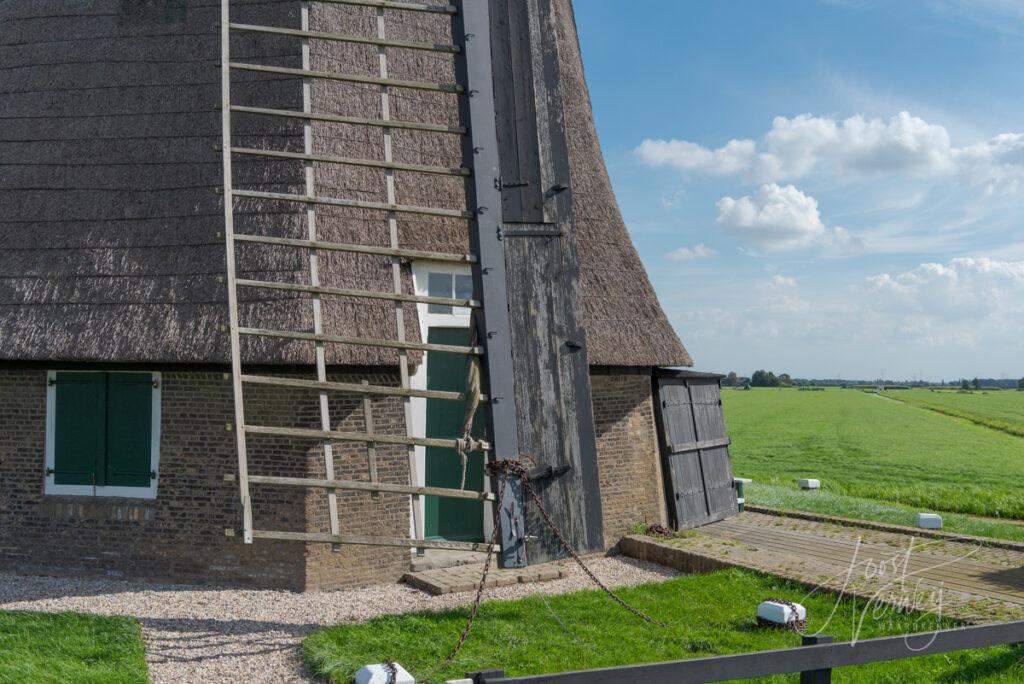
418 379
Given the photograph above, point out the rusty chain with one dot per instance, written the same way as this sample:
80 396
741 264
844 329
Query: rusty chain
504 469
796 624
483 577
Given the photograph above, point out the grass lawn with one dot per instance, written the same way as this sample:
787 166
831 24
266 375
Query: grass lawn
710 614
68 647
866 446
997 409
827 503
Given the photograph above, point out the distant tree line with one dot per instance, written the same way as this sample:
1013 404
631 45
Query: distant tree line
767 378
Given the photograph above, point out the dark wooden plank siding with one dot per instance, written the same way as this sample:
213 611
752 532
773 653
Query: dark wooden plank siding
550 367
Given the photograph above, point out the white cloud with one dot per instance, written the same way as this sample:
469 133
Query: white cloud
700 251
904 145
960 290
734 157
944 319
996 164
774 218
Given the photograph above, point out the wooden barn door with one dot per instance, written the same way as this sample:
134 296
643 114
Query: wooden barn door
695 449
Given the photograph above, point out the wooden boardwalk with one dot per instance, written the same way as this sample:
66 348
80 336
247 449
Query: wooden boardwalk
959 578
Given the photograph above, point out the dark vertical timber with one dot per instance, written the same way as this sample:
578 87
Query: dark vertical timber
552 381
472 26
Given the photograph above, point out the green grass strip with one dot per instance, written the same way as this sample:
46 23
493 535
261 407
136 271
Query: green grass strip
710 615
44 648
818 501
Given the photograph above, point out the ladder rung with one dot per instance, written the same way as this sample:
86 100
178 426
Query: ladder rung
355 388
310 433
366 342
392 4
357 204
419 168
358 540
354 120
357 249
363 294
319 35
350 78
365 486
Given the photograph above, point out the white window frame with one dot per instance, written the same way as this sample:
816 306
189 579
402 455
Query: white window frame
421 271
54 489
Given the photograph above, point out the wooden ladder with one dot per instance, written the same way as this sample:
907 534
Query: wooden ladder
487 263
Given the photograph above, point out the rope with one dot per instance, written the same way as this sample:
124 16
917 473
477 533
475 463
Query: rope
466 444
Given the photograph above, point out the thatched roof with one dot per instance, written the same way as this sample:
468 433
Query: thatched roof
110 224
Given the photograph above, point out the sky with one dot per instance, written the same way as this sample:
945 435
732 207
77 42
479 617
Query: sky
833 189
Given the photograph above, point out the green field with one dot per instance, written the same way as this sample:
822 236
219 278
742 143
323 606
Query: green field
997 409
709 614
870 447
68 647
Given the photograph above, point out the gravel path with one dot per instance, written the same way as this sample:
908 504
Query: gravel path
196 634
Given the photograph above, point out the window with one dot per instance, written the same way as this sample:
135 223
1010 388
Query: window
442 284
102 433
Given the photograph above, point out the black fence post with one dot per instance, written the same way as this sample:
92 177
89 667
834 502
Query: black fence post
816 676
482 676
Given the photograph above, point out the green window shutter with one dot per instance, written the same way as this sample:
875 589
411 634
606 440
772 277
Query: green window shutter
79 447
129 423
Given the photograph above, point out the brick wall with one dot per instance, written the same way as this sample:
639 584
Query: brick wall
180 535
627 453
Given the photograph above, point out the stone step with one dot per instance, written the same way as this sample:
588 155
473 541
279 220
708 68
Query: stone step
460 578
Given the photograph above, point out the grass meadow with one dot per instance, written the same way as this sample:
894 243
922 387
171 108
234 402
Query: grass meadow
868 449
708 614
1001 410
68 647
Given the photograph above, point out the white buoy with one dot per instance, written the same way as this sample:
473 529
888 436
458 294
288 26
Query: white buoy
928 521
809 484
378 673
781 614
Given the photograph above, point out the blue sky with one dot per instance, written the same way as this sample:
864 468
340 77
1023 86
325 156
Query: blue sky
831 189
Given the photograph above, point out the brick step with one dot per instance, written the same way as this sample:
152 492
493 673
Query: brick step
460 578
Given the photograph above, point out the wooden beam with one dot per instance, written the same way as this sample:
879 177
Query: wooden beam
361 388
364 40
354 204
361 294
349 78
493 324
317 537
359 486
361 341
357 249
353 161
339 435
697 446
353 120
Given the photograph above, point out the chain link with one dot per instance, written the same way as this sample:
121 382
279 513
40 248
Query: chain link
503 470
796 624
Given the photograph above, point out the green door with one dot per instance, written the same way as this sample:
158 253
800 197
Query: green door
445 518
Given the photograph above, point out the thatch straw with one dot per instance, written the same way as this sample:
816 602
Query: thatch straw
109 220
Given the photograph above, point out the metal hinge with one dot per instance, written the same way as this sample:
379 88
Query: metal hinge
529 232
